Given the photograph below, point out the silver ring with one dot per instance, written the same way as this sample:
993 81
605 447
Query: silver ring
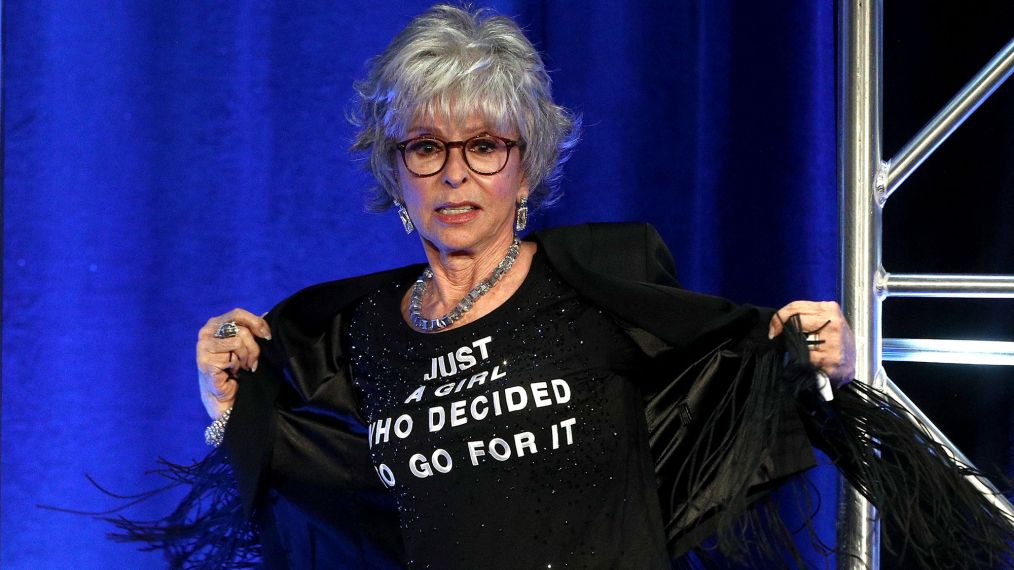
227 329
813 340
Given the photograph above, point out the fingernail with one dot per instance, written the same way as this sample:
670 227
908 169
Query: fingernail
254 367
771 334
266 334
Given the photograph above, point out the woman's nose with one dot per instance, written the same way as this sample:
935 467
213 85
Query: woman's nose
456 170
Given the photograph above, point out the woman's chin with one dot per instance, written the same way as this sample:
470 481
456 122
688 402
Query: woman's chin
463 238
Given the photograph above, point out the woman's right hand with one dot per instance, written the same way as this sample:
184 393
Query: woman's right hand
220 359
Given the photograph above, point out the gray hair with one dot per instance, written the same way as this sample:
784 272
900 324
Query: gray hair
452 63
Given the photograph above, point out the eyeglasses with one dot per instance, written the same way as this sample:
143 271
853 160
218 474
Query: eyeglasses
484 154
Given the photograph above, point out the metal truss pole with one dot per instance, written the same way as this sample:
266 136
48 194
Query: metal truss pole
861 187
936 131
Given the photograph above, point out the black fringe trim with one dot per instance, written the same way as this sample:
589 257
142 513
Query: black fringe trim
720 460
206 530
932 514
933 517
760 536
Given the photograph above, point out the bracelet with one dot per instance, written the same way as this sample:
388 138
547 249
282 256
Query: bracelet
215 433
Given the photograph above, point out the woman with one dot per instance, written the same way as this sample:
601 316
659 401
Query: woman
551 402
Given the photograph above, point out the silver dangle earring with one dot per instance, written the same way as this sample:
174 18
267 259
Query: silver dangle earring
405 219
521 216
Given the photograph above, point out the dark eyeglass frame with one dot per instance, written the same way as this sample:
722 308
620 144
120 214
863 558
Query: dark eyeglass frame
448 145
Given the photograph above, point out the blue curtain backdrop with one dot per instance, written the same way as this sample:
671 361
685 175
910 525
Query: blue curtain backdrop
167 161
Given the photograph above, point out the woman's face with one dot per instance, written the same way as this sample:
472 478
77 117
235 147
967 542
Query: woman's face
458 211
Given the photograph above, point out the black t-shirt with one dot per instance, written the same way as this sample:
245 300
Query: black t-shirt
515 441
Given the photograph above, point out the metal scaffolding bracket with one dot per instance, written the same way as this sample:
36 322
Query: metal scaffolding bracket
951 286
959 108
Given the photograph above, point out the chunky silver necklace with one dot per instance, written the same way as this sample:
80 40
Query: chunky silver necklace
464 305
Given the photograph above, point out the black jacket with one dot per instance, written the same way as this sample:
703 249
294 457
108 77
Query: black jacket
297 440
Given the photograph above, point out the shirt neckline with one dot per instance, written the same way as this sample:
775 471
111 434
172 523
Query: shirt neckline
511 302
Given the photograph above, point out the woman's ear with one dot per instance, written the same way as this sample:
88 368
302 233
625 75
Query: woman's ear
523 189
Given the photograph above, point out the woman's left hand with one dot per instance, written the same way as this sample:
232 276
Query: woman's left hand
835 348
